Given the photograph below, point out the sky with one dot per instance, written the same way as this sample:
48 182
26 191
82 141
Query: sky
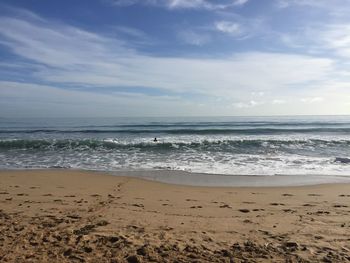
111 58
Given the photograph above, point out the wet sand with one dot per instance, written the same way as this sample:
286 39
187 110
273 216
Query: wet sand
74 216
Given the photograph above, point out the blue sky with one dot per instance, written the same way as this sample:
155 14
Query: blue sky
174 57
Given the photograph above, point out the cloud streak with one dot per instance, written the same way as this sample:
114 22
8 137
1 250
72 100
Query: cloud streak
184 4
333 39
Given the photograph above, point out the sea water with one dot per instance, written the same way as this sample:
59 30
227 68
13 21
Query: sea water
312 145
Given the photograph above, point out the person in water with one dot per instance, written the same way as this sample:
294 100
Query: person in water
155 139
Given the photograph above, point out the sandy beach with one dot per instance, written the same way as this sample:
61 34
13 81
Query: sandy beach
75 216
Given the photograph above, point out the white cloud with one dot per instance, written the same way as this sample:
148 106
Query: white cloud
336 38
172 4
194 38
312 100
290 40
330 38
235 26
331 9
278 101
312 3
228 27
184 4
204 4
248 104
240 2
258 93
241 27
207 76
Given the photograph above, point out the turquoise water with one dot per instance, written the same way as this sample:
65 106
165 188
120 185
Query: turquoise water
221 145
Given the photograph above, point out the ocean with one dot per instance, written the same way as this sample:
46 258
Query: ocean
262 146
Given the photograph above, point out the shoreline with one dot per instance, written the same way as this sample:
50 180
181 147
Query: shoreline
68 216
220 180
175 177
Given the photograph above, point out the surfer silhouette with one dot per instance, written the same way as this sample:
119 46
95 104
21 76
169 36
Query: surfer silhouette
155 139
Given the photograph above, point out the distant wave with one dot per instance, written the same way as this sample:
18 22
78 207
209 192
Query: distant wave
224 124
247 131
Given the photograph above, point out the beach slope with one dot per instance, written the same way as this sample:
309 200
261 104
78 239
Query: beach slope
74 216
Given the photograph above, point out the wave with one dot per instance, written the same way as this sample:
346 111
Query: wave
222 124
239 145
247 131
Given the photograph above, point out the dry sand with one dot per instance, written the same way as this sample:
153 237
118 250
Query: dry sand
73 216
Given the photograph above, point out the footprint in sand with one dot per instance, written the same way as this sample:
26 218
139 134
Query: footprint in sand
323 212
308 205
198 206
338 206
277 204
314 195
74 216
287 195
225 206
138 205
243 210
118 187
289 210
22 194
